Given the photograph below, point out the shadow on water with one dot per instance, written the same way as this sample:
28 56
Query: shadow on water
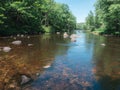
56 63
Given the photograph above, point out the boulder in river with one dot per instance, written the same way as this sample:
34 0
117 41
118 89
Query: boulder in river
37 74
22 35
25 79
18 35
30 44
28 37
103 44
6 49
58 32
65 35
74 36
17 42
47 66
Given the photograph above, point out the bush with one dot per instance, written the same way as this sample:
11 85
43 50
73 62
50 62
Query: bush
47 29
101 30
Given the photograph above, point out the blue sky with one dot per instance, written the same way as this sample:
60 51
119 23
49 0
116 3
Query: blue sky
79 8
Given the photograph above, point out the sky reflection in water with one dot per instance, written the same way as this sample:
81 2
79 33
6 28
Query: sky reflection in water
81 66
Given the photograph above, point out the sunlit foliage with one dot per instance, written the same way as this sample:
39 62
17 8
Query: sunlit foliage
30 16
107 17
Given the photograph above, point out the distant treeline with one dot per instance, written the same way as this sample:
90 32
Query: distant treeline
80 26
106 19
34 16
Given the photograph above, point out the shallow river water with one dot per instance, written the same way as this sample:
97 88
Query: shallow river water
56 63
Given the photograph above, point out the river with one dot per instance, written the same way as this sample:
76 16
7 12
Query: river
56 63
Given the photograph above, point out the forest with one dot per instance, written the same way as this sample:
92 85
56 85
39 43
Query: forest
106 19
34 17
40 16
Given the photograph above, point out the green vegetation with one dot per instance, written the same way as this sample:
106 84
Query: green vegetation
106 19
34 16
80 26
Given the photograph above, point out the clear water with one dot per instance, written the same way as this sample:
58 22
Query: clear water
81 65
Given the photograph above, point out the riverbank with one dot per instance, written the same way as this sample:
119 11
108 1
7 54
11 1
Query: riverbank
99 33
15 64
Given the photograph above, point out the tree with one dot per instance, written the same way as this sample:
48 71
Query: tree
108 16
114 13
34 16
80 26
90 21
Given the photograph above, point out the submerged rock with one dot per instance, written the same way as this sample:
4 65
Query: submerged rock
25 79
14 38
73 39
28 37
12 86
17 42
30 44
37 74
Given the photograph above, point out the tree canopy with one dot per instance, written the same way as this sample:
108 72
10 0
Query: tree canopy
34 16
107 17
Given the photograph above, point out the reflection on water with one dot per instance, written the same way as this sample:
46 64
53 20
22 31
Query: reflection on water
81 65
